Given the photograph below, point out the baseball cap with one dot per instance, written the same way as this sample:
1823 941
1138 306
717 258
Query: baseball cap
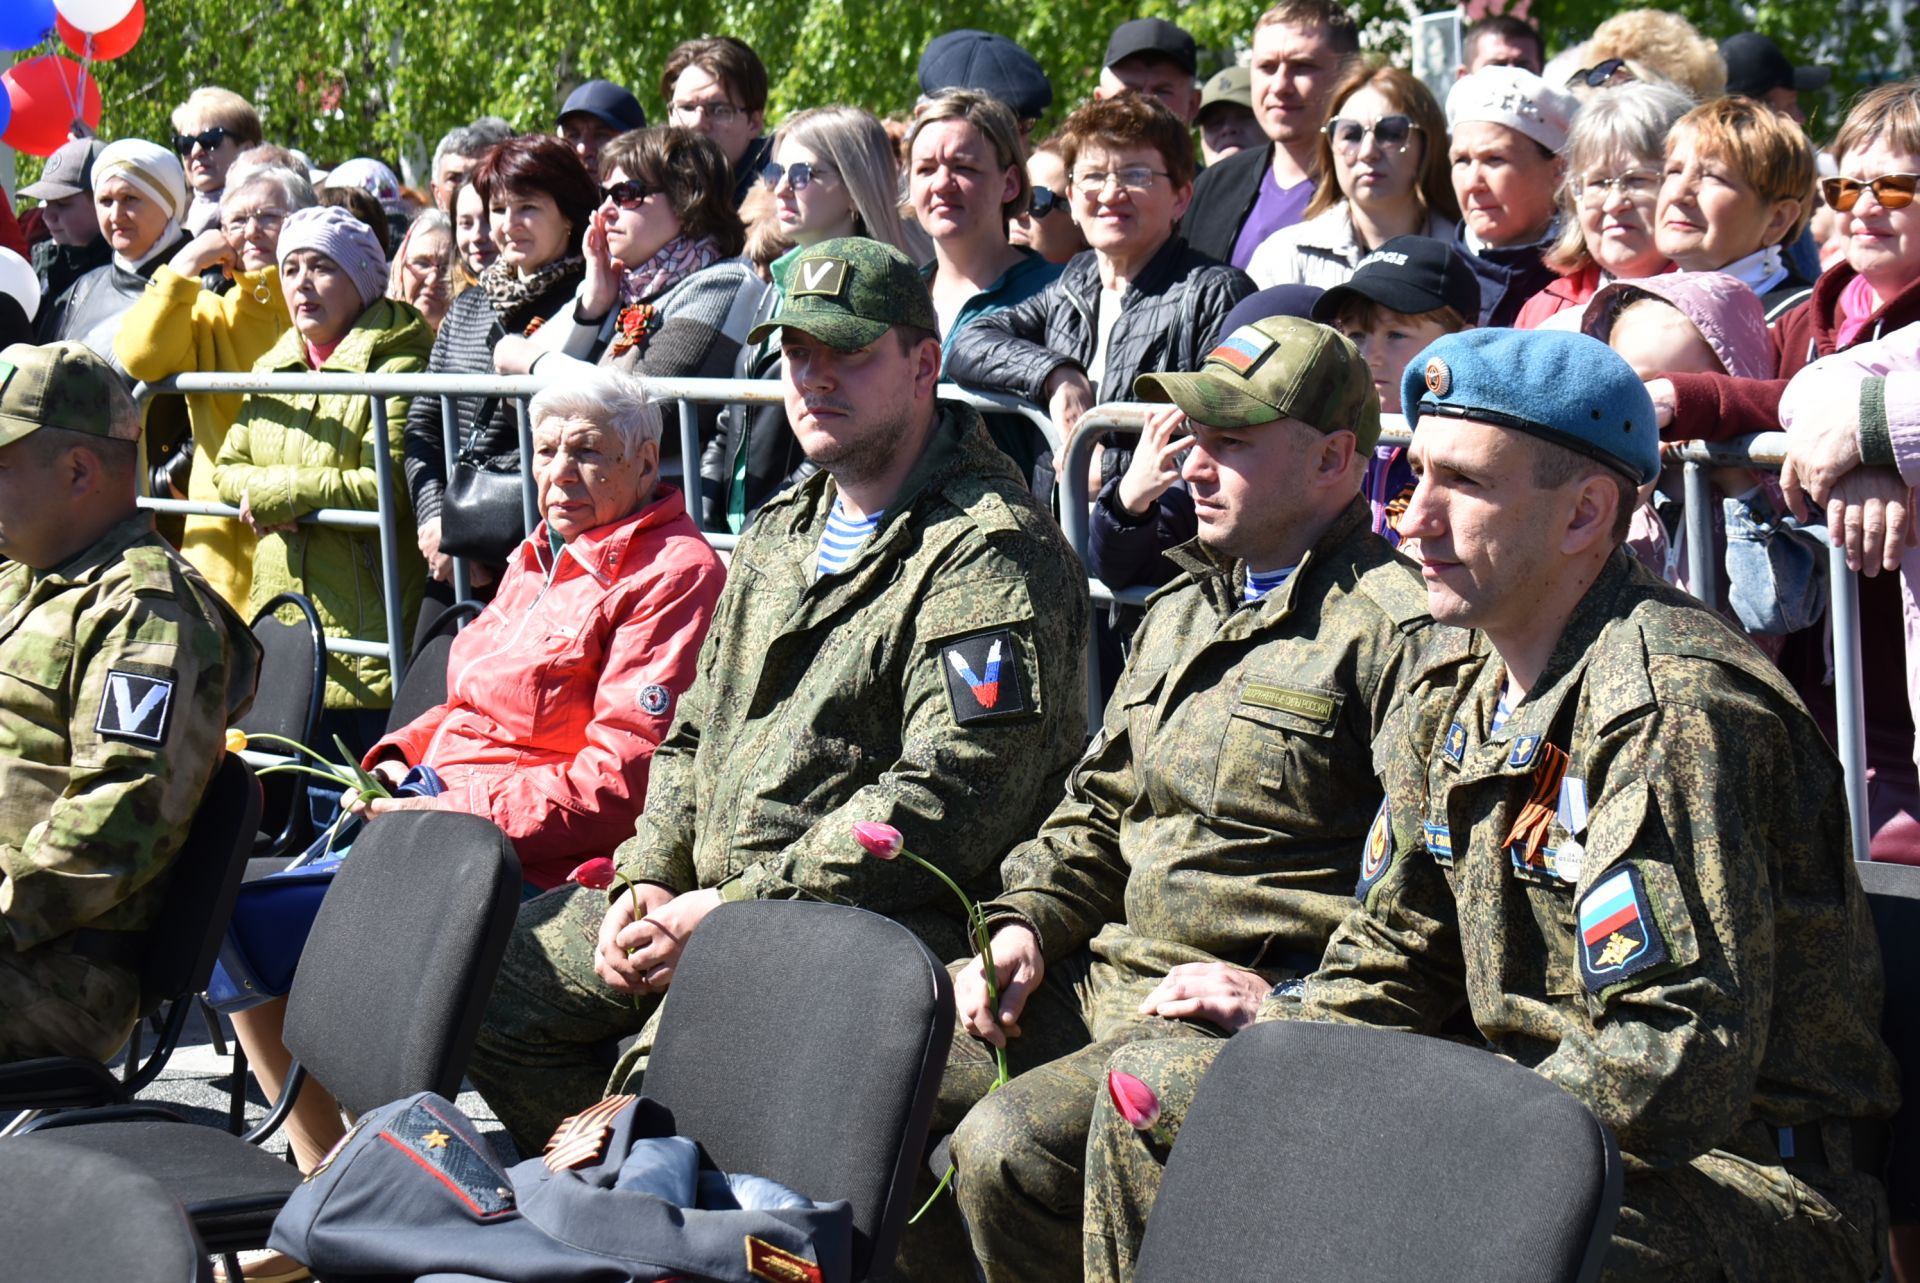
607 102
1227 87
1570 389
989 63
1282 367
62 385
1156 36
69 171
1516 98
1755 65
1409 275
848 292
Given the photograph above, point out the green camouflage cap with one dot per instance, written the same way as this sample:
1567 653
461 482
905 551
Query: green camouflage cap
850 291
62 385
1282 367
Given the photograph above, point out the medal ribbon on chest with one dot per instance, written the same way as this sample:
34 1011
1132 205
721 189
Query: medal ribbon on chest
1529 834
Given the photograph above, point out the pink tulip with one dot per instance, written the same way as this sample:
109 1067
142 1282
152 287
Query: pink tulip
883 841
595 875
1133 1099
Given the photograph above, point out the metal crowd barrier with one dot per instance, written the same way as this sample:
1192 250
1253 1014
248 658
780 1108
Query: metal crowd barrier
1765 451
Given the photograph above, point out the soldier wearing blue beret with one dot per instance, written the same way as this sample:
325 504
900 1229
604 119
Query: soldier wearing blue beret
1616 842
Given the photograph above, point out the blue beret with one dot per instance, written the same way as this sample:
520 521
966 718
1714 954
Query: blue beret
1568 388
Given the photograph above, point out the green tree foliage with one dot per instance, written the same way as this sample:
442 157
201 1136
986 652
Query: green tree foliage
387 77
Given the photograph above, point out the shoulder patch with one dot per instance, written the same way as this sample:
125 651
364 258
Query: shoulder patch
778 1265
442 1148
151 570
1619 936
137 705
1396 588
655 699
1377 856
991 513
983 676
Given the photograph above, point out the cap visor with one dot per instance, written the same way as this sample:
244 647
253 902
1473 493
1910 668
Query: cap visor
49 191
12 429
1205 399
1809 78
840 331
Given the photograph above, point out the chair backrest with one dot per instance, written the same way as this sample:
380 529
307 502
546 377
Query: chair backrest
805 1042
293 671
402 955
68 1212
202 885
1893 893
1340 1153
425 685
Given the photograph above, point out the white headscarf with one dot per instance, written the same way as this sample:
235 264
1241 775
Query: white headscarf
156 173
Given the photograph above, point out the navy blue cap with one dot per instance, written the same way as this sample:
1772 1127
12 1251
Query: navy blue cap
607 102
1570 389
1155 36
991 64
1276 300
1409 275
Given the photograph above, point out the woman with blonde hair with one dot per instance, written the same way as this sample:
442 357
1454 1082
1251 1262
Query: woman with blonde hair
1385 145
1648 44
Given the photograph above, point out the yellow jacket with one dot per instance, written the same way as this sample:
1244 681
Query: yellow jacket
177 327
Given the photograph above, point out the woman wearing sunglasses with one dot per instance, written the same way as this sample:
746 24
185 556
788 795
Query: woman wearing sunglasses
1048 227
210 130
1734 194
1385 143
1614 157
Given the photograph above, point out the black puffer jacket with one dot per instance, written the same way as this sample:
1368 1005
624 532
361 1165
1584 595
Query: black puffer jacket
1169 320
464 345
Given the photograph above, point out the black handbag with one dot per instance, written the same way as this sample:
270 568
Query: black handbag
482 515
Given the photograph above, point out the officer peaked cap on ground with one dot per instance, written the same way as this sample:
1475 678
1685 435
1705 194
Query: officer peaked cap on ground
850 291
62 385
1282 367
1570 389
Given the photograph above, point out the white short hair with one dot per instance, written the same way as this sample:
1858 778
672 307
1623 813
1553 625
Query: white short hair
618 402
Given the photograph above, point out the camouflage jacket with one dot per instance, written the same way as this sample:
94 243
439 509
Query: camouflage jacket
1218 816
1640 886
119 672
937 684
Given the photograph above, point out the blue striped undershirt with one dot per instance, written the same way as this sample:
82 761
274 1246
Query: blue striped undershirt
1262 582
1501 712
842 538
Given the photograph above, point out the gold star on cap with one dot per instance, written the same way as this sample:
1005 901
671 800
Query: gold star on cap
435 1139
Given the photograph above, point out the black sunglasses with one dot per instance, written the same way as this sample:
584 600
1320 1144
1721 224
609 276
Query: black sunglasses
1599 74
628 193
1045 201
208 139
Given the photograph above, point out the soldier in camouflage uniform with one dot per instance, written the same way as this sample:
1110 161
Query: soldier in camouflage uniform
119 670
934 681
1617 844
1208 841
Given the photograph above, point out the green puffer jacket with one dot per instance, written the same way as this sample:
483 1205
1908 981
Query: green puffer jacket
291 455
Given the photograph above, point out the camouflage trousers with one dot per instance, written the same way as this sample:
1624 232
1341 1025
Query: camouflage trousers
552 1029
61 1004
1018 1151
1722 1218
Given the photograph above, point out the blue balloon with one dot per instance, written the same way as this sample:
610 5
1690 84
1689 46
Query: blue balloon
25 23
6 110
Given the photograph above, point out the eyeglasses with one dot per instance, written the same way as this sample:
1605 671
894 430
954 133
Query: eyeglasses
720 113
1635 184
267 220
1600 73
1391 132
1893 191
628 193
798 174
208 139
1045 201
1134 178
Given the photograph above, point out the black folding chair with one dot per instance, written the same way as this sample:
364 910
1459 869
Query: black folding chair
1893 893
386 1003
69 1213
290 700
1344 1154
179 952
825 1086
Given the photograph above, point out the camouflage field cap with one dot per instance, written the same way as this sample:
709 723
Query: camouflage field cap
850 291
1282 367
62 385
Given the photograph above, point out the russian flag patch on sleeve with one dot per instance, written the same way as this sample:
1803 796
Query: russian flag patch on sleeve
983 677
1619 936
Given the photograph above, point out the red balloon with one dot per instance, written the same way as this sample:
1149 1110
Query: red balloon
44 92
111 43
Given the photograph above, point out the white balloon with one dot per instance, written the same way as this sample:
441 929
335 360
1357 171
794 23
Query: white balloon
17 279
94 15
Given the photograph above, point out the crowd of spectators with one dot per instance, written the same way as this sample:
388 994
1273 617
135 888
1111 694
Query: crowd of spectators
1651 188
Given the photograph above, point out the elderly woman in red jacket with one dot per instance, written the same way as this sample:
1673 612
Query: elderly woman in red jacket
559 691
